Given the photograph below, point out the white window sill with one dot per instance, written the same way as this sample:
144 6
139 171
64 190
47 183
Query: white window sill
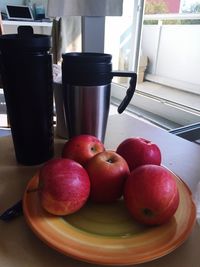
166 106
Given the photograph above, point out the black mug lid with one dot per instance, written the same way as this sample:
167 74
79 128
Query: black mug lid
87 57
86 68
25 40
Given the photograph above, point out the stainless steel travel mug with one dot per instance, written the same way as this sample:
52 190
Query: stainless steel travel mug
86 80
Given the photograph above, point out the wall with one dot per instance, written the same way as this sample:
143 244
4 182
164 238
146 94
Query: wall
173 52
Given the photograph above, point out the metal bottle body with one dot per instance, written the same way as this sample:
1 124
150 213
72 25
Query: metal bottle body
87 109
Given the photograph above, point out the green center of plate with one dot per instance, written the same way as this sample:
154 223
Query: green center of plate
105 219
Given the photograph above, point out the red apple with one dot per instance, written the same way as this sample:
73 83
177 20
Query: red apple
82 147
151 194
64 186
139 151
107 172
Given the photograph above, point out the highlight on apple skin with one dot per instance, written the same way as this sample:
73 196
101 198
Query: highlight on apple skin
151 194
64 186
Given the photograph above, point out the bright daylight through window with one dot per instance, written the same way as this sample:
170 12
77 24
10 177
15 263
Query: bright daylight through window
168 88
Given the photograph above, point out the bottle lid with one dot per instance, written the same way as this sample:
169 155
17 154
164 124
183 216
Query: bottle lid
25 40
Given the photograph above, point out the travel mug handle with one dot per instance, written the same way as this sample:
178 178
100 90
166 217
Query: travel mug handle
130 91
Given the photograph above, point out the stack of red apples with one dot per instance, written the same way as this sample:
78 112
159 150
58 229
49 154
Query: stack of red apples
86 171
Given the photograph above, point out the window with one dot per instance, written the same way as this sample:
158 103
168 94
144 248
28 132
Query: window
170 92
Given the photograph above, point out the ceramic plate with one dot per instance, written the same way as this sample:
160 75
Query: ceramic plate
106 234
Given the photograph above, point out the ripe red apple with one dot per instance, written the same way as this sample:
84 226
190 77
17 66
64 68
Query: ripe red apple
107 172
82 147
139 151
151 194
64 186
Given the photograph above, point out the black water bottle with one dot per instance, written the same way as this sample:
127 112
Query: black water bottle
26 69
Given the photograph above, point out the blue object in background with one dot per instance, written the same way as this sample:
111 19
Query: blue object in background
5 132
39 11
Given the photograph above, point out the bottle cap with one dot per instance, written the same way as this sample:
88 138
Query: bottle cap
25 41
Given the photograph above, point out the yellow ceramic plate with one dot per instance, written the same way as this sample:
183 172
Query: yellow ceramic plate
106 234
